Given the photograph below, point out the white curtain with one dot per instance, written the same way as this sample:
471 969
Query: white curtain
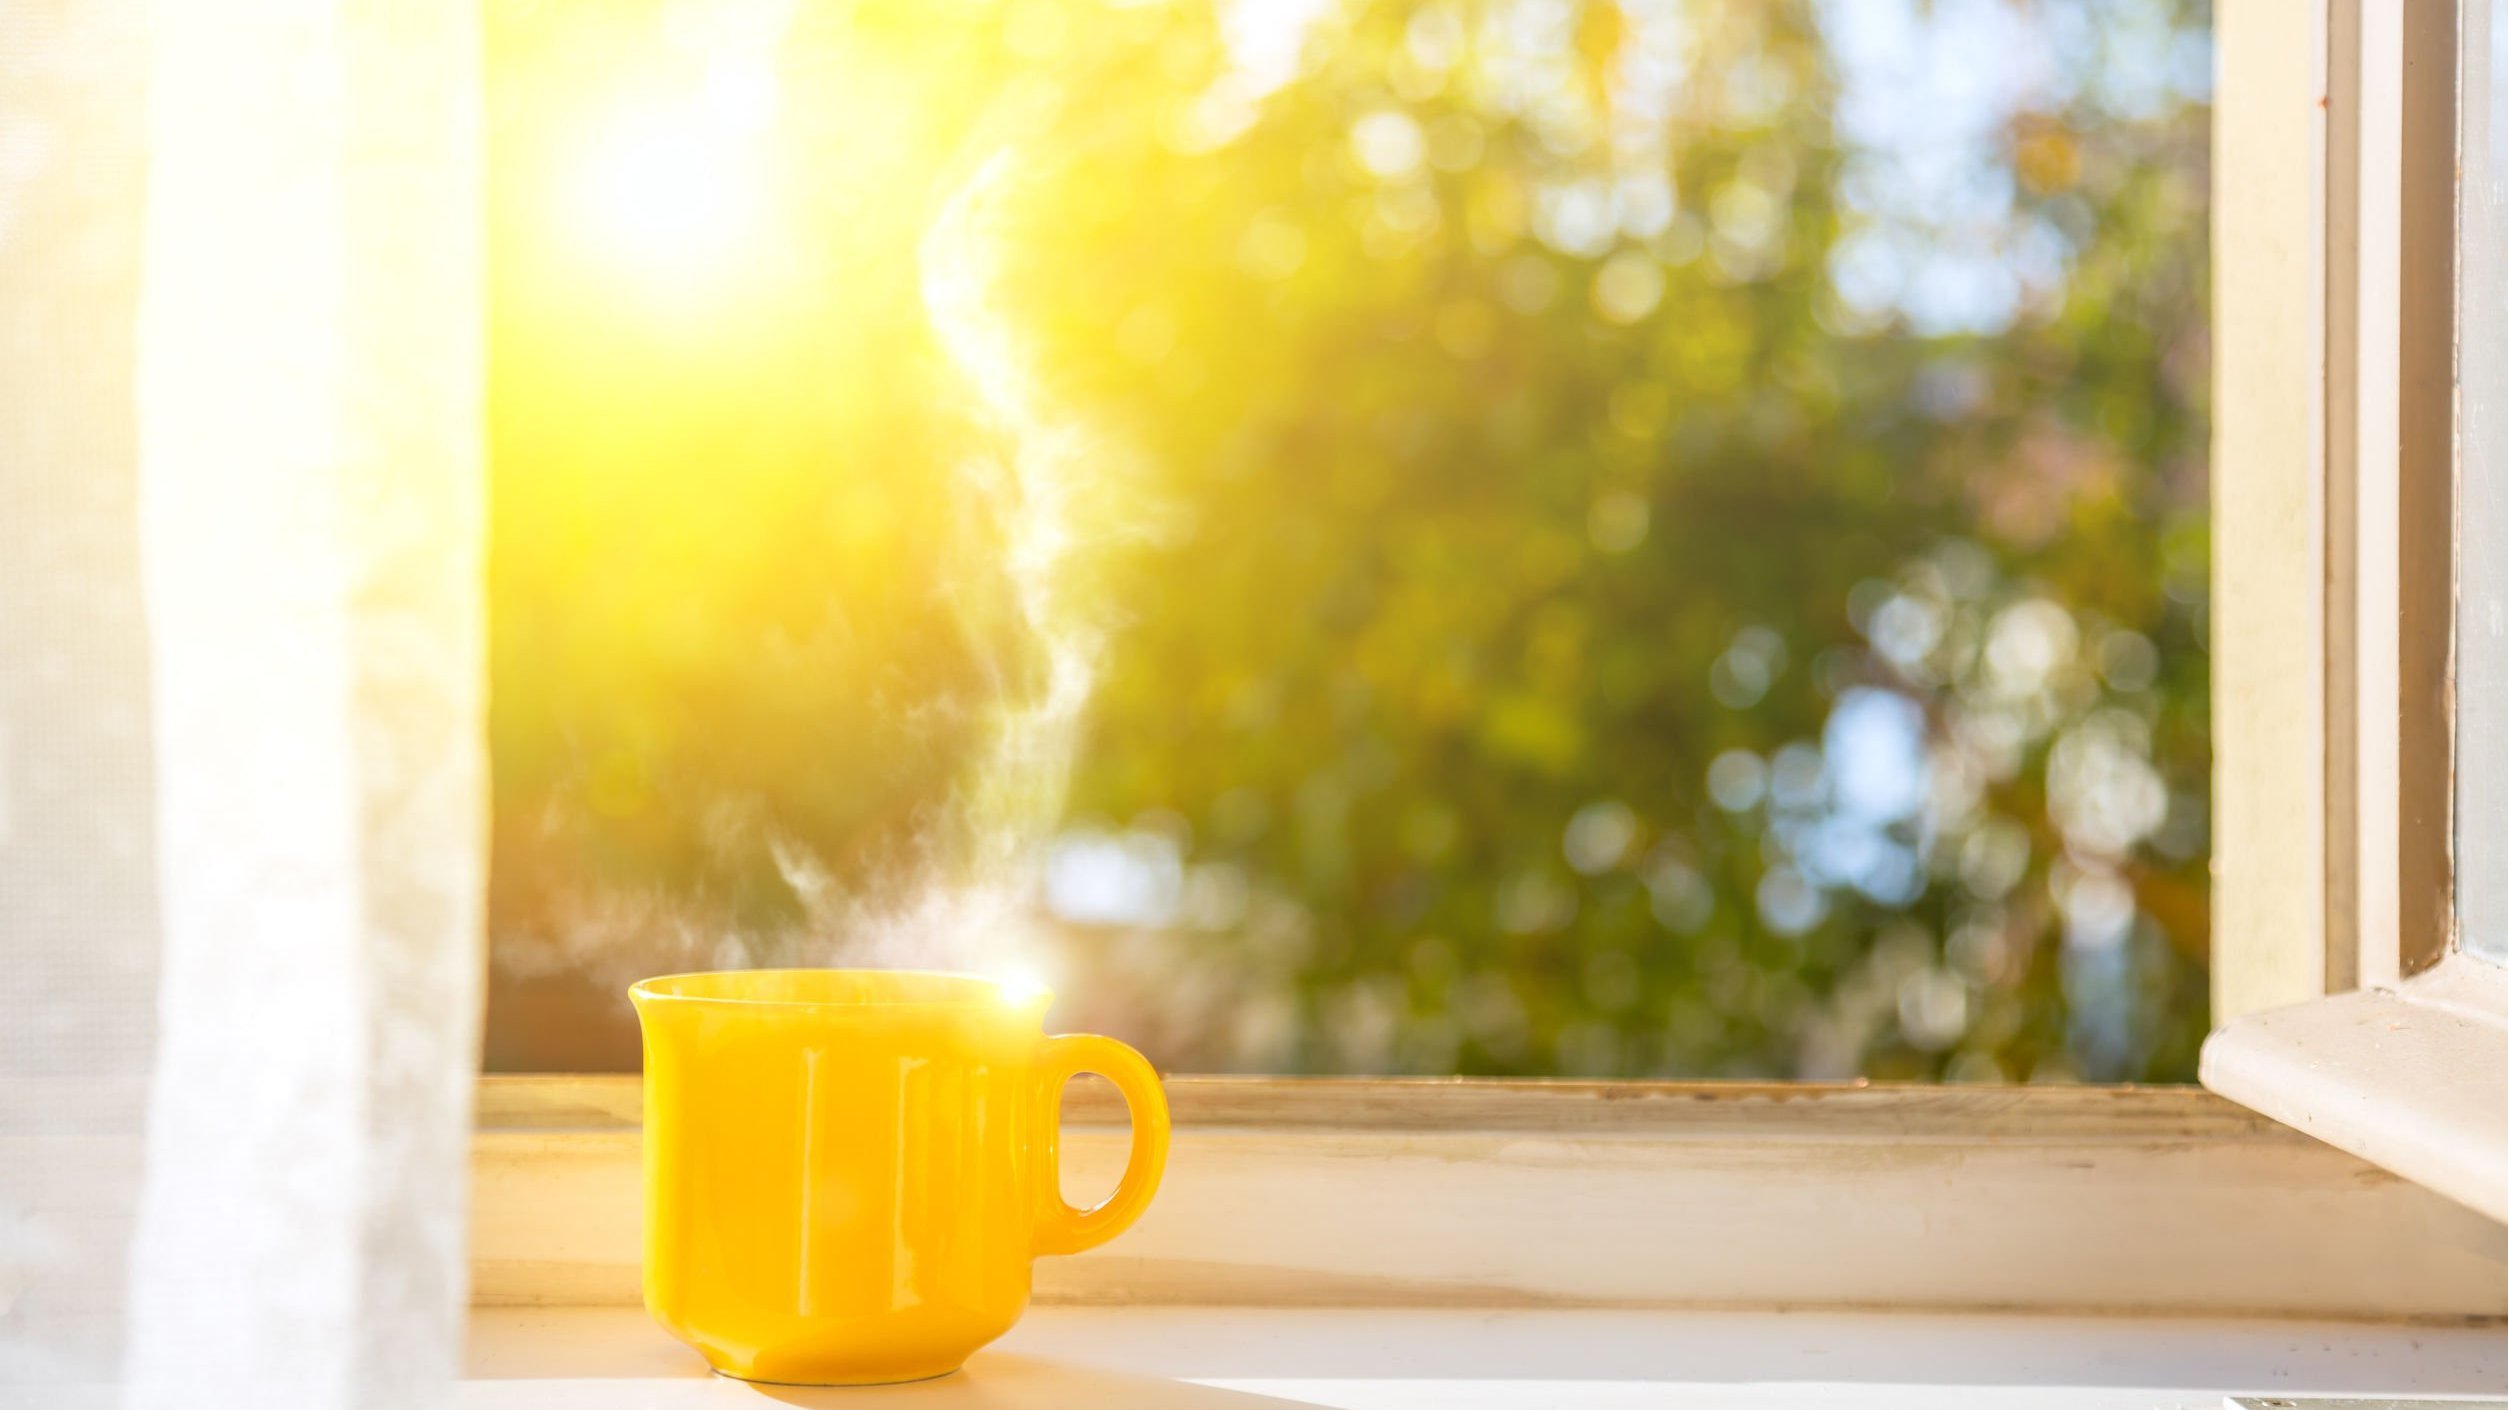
242 801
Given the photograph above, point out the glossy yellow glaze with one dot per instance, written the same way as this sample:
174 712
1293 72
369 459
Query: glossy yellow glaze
847 1172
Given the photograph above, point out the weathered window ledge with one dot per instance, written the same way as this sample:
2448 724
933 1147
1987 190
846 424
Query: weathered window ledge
1514 1195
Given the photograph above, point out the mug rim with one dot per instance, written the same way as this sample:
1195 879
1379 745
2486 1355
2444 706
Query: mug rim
972 989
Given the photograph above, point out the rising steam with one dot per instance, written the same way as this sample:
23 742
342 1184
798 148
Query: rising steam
972 907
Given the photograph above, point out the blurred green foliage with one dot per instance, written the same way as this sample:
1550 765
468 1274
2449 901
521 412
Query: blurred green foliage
1597 578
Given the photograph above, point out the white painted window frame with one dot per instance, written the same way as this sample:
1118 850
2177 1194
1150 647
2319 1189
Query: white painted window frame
2167 1201
2345 1005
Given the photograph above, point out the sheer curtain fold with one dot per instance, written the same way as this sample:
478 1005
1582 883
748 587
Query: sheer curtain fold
241 756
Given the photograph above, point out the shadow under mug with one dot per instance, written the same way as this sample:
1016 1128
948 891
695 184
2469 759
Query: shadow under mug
848 1172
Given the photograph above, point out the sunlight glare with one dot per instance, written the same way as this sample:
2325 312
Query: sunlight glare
1021 983
670 185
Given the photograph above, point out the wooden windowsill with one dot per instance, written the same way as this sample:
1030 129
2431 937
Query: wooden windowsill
2406 1077
1519 1195
1197 1358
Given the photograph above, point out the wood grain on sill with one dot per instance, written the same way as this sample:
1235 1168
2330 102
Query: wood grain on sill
1780 1111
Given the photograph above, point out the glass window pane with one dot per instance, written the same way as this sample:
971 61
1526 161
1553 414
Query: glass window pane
2482 489
1515 537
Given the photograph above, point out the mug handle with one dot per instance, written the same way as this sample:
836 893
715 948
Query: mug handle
1062 1228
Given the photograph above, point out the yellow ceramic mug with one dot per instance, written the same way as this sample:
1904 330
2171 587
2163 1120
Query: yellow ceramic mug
847 1172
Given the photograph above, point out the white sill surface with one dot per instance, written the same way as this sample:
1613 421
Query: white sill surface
1179 1358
